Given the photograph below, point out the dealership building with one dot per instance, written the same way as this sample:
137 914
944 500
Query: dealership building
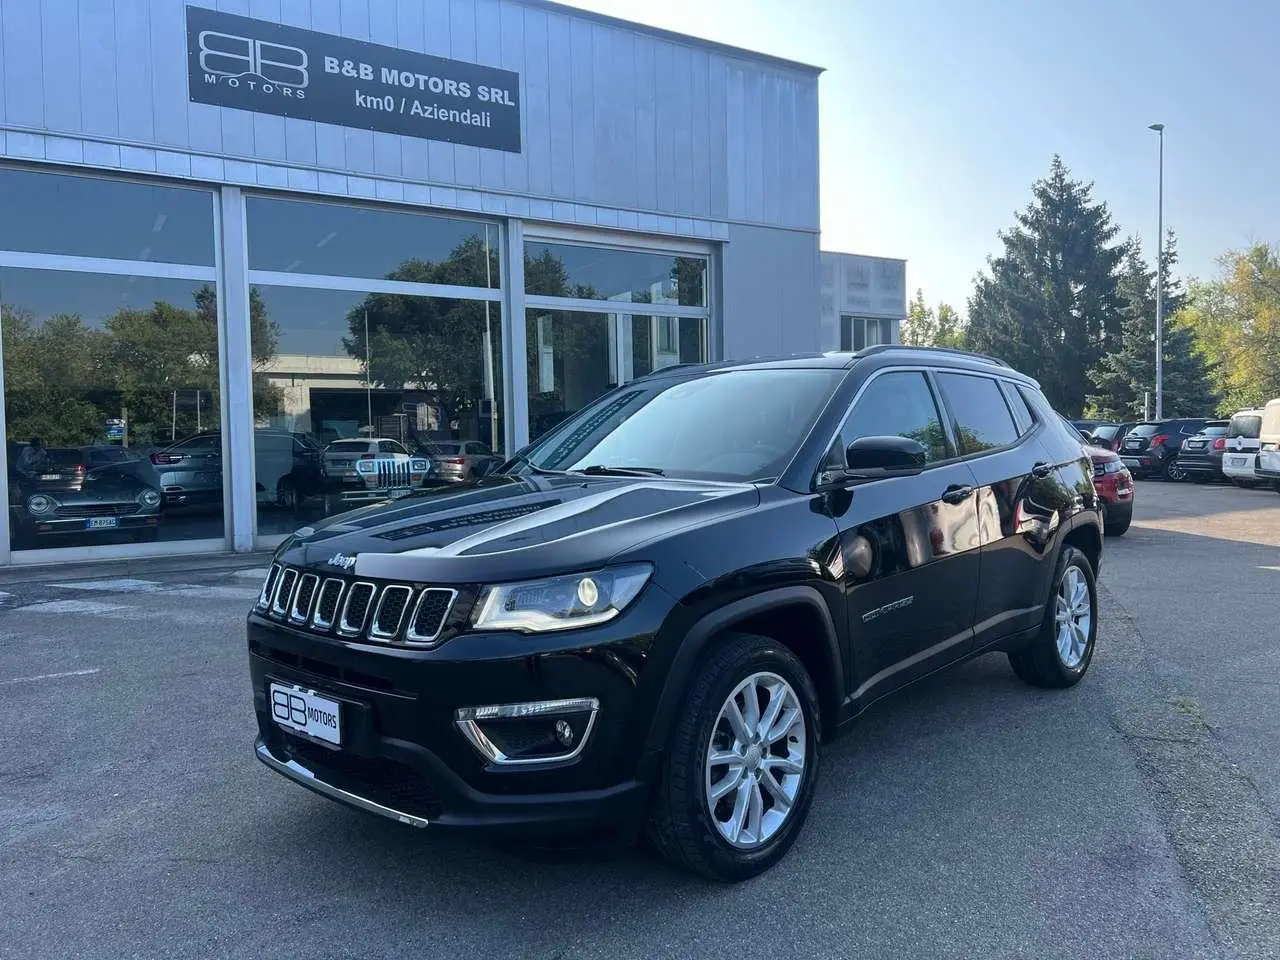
234 237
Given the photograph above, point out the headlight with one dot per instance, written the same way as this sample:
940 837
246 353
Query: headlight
40 504
419 466
366 466
560 603
150 498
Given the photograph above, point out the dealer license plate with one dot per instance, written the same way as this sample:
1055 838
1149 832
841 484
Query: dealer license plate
101 523
305 711
1238 461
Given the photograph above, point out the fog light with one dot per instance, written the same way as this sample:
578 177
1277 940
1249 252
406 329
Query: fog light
544 731
564 733
588 592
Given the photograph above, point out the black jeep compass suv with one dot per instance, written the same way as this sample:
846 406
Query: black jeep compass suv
656 613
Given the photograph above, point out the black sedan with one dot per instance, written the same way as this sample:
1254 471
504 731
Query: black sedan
1201 455
105 502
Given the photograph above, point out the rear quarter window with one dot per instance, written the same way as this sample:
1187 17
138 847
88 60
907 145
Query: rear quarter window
979 412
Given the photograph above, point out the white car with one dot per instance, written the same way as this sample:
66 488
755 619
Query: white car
1268 468
1240 456
373 468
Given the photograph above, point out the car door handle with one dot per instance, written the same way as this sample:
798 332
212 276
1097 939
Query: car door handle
957 493
1041 470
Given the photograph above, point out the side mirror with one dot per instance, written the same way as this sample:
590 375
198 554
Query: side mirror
874 457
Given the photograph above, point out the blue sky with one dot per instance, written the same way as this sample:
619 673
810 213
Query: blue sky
937 115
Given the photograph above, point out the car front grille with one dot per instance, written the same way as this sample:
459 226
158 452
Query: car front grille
390 613
97 510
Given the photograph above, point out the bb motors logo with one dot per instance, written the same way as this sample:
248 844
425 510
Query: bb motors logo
272 69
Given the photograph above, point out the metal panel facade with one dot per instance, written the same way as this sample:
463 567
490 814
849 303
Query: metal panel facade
613 119
860 286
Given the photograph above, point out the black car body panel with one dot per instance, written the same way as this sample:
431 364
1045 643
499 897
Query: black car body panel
873 582
1201 453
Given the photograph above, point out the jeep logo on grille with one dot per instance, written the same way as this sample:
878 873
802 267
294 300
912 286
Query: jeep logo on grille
342 561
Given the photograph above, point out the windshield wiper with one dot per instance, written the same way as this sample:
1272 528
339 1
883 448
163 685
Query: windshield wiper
601 470
525 461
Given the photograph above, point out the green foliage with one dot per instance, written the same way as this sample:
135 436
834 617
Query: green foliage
927 327
1049 303
157 367
1125 374
1236 320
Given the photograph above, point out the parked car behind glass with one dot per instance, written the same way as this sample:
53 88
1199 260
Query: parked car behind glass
1201 455
1151 448
459 461
71 498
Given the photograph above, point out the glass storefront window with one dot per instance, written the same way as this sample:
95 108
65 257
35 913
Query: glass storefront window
624 276
651 343
111 407
330 239
370 395
575 357
94 217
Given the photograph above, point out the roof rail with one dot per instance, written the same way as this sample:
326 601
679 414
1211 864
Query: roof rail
885 347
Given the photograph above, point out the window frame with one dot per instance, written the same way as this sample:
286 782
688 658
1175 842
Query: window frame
1019 438
930 385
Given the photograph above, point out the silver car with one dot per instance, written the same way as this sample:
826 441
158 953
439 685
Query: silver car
190 470
459 461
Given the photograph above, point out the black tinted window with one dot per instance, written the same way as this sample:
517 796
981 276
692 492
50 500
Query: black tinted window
1248 425
982 418
1018 404
895 404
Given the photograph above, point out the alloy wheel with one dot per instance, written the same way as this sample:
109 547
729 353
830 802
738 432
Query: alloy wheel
1073 613
755 760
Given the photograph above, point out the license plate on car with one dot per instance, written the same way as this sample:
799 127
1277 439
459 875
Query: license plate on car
102 523
1129 461
1237 461
305 711
397 492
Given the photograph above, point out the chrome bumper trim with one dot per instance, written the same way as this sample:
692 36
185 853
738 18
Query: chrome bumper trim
297 772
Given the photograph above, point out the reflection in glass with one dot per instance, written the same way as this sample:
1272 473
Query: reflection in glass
363 395
112 408
302 236
571 362
97 217
625 276
982 420
895 404
651 343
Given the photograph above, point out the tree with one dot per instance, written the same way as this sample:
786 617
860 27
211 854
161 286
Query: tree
925 327
1124 376
1049 304
1236 321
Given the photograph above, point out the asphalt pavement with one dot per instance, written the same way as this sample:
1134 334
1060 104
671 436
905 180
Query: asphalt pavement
1137 815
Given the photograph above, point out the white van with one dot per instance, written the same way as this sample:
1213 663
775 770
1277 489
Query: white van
1240 458
1268 468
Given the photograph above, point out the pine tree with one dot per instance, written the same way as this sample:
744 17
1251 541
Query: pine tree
1049 303
1125 375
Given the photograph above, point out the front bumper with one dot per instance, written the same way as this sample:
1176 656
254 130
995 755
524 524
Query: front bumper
403 755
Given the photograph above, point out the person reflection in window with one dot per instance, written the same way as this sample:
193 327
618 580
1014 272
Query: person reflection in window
32 459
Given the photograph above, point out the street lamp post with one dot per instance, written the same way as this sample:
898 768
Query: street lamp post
1159 129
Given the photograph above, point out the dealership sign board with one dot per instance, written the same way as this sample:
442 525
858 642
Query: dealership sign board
265 67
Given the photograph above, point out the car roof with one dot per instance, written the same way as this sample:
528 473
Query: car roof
886 354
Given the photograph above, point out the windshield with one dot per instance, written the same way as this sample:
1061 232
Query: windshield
1214 431
1248 426
349 446
1146 430
449 448
739 425
1106 431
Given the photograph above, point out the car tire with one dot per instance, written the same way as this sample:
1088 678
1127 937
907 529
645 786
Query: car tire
1056 659
1117 526
1174 472
684 825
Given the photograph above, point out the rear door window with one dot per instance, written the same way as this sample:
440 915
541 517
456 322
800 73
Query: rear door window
1018 404
980 415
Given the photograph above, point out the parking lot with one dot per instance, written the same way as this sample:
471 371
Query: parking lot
1137 815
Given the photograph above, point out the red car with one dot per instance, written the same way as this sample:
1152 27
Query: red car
1114 483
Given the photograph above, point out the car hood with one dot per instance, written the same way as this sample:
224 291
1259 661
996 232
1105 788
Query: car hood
506 528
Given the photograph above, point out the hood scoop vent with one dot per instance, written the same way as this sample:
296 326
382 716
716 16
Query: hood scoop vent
487 518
